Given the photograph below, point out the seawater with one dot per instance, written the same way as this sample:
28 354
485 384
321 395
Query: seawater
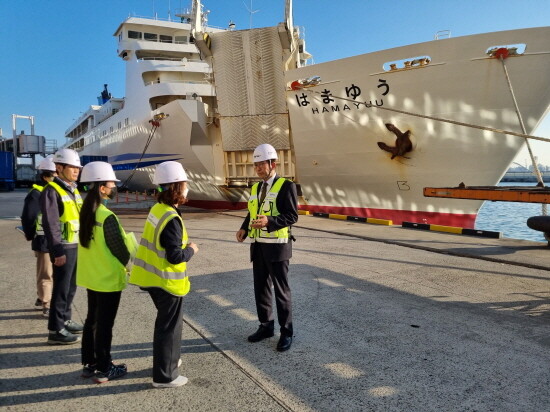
510 218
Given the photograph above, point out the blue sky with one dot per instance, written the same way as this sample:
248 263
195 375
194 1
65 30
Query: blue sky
57 54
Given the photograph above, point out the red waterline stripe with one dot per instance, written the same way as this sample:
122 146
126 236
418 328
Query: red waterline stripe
397 216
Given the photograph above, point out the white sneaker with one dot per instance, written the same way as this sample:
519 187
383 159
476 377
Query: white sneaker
179 381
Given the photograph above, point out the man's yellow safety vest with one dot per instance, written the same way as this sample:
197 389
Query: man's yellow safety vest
70 223
98 269
151 268
267 208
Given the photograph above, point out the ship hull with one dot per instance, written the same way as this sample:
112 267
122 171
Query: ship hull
337 137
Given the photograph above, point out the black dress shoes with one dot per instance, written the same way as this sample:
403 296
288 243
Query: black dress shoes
284 343
261 334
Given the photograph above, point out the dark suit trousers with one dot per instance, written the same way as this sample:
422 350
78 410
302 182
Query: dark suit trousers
266 274
64 289
167 336
98 328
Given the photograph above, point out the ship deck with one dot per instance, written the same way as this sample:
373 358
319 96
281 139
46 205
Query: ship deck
386 318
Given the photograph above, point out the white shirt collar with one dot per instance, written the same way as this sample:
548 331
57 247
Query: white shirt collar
269 182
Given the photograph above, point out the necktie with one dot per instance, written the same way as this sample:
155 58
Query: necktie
264 192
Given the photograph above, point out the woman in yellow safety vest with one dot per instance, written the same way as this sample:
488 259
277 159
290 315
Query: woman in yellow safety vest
103 252
160 269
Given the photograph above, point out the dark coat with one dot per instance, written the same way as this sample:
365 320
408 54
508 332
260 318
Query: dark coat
287 205
31 210
170 239
52 208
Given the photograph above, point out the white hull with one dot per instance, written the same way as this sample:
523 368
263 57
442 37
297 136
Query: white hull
338 163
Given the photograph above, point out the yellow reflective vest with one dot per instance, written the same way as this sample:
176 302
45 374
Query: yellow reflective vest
267 208
70 223
151 268
97 269
38 223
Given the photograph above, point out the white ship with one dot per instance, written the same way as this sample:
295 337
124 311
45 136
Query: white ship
361 136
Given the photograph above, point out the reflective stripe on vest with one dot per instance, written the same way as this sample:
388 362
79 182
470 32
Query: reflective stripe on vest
38 223
98 269
267 208
70 223
151 268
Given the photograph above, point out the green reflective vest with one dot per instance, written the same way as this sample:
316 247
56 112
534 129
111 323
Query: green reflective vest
70 223
267 208
151 268
97 269
38 223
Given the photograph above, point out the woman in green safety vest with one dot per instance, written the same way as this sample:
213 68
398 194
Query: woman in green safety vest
160 269
104 250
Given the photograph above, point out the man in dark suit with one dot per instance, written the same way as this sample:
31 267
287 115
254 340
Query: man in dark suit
272 209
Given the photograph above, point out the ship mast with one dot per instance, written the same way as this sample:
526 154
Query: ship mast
288 16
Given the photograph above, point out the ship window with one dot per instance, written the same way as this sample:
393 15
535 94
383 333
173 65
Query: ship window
119 125
134 34
150 36
180 39
126 122
165 39
111 129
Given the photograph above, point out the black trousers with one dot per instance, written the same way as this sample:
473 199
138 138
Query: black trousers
266 274
64 289
98 328
167 336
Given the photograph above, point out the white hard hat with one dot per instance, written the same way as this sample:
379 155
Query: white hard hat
98 172
67 156
46 164
264 152
169 172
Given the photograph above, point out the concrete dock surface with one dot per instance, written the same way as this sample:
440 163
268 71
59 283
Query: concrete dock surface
386 319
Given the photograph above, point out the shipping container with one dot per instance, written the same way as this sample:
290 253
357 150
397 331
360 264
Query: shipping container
6 171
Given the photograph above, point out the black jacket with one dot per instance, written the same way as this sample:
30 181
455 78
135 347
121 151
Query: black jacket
52 208
170 239
287 205
31 210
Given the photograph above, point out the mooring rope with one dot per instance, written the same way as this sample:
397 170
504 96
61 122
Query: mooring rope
440 119
536 170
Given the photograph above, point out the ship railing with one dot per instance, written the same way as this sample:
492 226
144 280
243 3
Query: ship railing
50 146
170 19
442 34
173 20
177 81
301 32
172 59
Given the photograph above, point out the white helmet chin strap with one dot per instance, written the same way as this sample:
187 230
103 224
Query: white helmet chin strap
270 169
